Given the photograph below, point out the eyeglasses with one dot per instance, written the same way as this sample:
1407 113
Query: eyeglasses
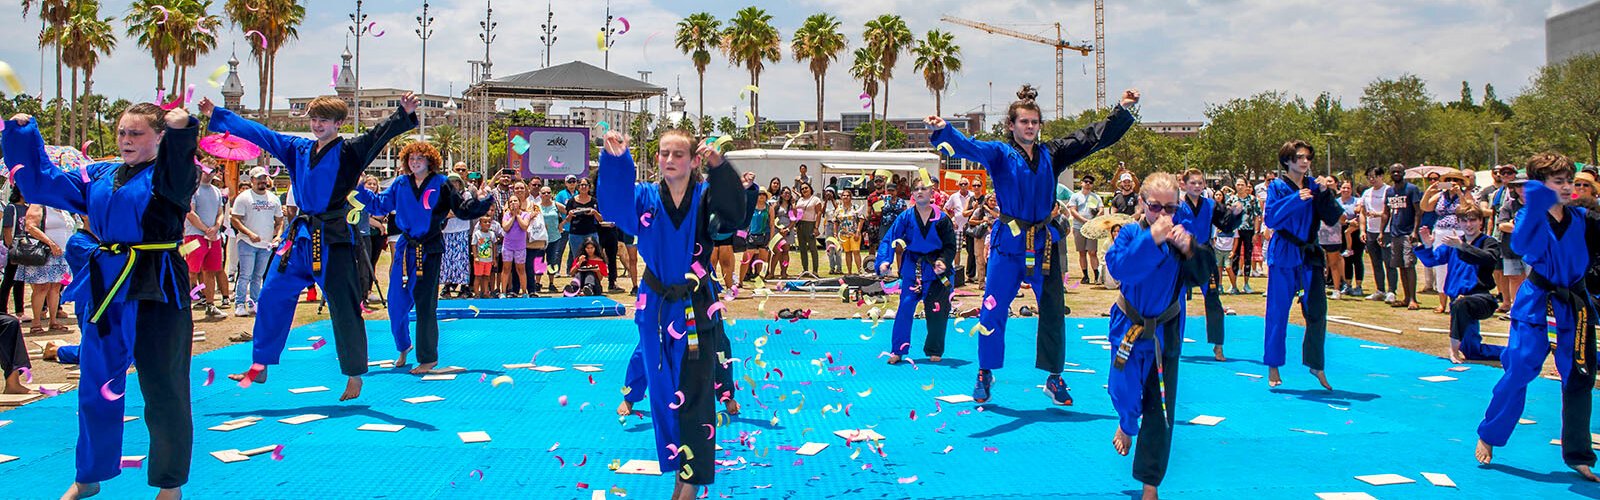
1584 185
1158 208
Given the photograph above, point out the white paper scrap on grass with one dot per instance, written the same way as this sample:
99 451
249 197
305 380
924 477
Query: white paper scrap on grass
1385 479
1439 479
1206 420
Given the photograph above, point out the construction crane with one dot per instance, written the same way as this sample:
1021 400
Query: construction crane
1061 47
1099 54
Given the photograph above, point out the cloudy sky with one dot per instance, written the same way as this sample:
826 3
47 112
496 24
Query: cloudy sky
1182 54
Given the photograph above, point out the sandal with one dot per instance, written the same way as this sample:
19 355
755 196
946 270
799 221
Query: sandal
58 327
243 337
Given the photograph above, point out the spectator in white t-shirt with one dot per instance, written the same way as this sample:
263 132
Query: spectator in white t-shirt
258 217
1085 204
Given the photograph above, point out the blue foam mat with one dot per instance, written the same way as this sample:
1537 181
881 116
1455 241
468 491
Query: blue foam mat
542 307
1382 419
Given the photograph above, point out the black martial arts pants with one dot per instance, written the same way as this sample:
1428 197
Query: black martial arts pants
1206 262
13 351
1154 445
609 242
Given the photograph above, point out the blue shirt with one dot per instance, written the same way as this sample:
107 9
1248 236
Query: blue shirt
1402 205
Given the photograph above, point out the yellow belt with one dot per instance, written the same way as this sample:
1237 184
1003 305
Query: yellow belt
133 254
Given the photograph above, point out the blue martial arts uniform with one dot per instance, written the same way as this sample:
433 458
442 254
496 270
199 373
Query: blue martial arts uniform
679 342
1557 259
420 213
132 289
1147 326
319 245
1469 283
1295 263
1198 219
1022 240
925 241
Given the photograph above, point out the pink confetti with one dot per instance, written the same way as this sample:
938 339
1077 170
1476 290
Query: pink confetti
27 375
561 461
698 269
988 302
644 219
711 430
675 450
672 329
677 404
132 463
194 293
13 172
582 406
257 34
277 453
188 95
913 415
48 391
164 14
941 427
626 26
553 447
639 305
991 449
482 377
318 344
335 81
697 250
427 199
562 400
211 375
715 308
85 148
477 472
107 393
557 164
584 460
907 480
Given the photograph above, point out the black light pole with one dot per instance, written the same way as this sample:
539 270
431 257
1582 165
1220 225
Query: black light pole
549 29
424 31
356 21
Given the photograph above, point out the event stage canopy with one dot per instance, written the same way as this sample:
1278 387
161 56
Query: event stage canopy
575 81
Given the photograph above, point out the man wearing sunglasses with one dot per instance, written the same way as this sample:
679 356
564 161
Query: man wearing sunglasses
1295 206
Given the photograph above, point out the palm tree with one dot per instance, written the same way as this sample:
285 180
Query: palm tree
278 22
55 14
889 35
819 42
697 34
751 41
86 38
867 70
155 38
447 139
194 31
937 57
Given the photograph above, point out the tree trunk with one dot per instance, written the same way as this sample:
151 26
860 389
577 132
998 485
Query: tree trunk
938 104
818 145
272 82
72 113
883 133
89 123
702 117
55 132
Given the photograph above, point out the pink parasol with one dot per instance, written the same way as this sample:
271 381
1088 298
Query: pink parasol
229 147
1424 171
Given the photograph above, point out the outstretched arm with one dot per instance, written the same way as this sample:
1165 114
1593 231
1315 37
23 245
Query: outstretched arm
984 153
278 145
31 168
1097 136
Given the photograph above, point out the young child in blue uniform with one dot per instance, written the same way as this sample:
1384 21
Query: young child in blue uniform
1151 258
679 341
922 241
1198 215
131 286
1023 172
421 200
319 245
1551 237
1295 205
1470 282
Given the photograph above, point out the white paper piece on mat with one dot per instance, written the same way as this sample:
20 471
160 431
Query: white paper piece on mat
854 435
547 369
4 423
1526 421
597 495
304 390
229 456
242 420
640 467
1356 495
1460 368
1385 479
381 427
1207 420
380 362
1439 479
1437 378
448 370
309 417
446 376
573 346
313 338
587 369
956 398
810 449
6 458
226 427
473 437
423 399
517 366
1243 374
301 348
258 451
1378 347
1078 370
129 418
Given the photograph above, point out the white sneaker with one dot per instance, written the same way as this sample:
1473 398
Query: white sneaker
1388 297
252 307
241 311
1376 296
1336 295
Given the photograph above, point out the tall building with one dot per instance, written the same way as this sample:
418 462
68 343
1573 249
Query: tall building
232 88
1572 33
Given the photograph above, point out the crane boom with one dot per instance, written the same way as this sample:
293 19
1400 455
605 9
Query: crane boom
1058 43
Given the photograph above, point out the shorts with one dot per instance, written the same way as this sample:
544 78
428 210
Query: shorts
482 268
1224 257
1333 247
204 258
1514 267
739 243
624 238
515 255
1400 253
1083 244
850 243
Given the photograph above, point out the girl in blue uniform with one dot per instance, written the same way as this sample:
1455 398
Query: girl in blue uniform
1551 237
922 241
1151 259
132 285
679 342
1470 280
319 246
421 200
1294 207
1024 172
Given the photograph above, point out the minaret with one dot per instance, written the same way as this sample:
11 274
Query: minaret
346 87
232 88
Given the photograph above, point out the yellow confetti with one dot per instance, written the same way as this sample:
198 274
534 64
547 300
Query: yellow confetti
474 310
503 379
600 40
928 387
754 90
982 330
1015 229
952 176
626 390
188 247
761 341
796 409
353 201
923 173
774 421
687 472
945 146
899 243
353 217
692 277
614 465
215 79
865 393
688 454
855 454
9 77
877 206
802 128
750 119
884 173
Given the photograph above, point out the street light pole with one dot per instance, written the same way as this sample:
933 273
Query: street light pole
1329 135
549 29
356 21
1496 126
424 31
485 105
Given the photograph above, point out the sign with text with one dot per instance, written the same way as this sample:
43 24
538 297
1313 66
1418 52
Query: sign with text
548 152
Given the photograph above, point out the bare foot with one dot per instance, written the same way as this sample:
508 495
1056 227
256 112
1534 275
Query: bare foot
684 491
625 409
1273 380
352 389
14 383
1485 452
81 490
401 360
260 378
731 406
934 359
170 494
1457 358
1122 442
894 359
422 369
1583 470
1218 351
1150 493
1323 378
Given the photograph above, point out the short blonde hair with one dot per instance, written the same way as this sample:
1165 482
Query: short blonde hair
1159 181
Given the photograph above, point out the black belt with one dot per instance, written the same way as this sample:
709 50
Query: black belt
417 257
1575 295
674 293
1143 326
315 223
1312 253
1030 231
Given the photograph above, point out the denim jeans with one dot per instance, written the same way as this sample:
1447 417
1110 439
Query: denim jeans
252 268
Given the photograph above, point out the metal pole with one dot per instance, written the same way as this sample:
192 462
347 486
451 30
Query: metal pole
424 31
485 108
1496 126
356 28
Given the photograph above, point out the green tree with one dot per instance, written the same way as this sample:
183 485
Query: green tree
1459 136
938 57
1396 117
867 68
84 39
1244 134
1494 105
1564 100
870 132
751 41
278 22
888 35
818 42
696 36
